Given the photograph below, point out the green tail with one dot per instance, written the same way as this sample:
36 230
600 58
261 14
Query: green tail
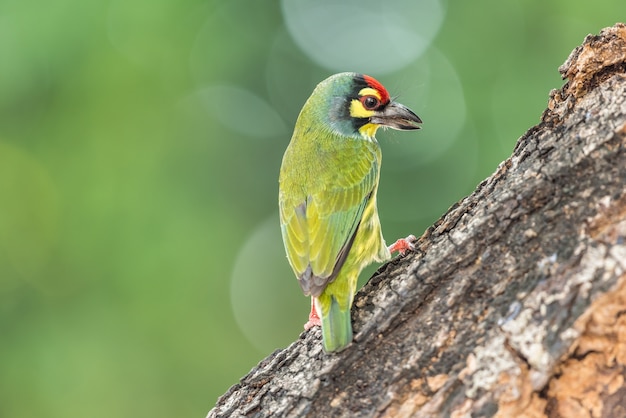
336 327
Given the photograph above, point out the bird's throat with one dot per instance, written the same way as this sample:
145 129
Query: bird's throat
368 130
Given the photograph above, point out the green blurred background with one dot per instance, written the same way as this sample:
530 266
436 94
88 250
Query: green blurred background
141 267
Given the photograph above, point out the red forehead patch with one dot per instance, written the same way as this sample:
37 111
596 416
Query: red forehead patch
373 83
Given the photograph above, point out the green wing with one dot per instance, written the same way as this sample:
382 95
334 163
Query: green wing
320 213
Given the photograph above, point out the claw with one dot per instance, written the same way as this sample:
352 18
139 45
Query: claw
403 245
314 319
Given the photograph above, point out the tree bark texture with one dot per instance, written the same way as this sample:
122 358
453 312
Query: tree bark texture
513 304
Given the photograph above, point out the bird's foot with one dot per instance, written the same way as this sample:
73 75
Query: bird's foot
312 322
403 245
314 319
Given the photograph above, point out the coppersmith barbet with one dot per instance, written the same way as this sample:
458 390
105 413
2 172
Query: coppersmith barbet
327 195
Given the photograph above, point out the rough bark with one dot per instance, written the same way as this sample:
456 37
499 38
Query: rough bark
513 303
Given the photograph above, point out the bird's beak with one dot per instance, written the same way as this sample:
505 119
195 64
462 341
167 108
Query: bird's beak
397 116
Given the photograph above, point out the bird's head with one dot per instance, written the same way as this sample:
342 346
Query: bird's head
357 105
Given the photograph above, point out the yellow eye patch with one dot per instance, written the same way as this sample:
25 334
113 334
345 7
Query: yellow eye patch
368 91
356 107
358 111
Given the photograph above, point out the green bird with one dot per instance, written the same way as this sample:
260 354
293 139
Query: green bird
327 195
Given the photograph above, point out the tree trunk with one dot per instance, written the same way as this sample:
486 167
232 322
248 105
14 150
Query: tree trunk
513 303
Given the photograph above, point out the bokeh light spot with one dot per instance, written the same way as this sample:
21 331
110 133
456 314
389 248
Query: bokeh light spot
363 36
264 289
290 76
241 111
432 88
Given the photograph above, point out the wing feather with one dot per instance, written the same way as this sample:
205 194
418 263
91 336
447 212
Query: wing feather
319 224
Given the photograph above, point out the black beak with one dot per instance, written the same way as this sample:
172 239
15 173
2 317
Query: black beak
397 116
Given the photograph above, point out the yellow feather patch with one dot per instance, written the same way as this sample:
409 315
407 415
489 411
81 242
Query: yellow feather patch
368 91
358 111
368 130
356 107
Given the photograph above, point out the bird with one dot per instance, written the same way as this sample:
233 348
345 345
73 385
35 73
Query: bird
327 195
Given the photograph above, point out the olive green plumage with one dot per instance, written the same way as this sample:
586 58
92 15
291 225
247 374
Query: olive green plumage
327 198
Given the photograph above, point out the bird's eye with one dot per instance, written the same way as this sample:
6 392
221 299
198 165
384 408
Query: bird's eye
370 102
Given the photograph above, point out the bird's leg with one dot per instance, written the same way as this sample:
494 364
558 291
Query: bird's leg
403 245
314 319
